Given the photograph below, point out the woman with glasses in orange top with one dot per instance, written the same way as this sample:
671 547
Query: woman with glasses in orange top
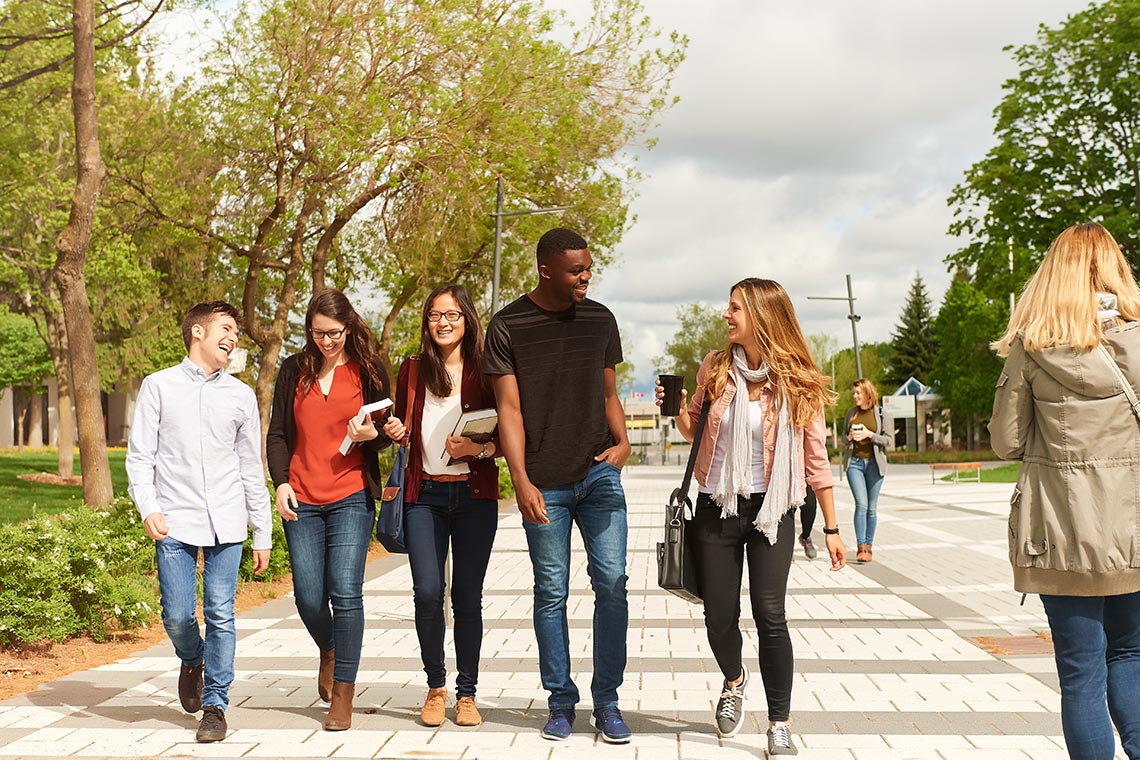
451 493
327 500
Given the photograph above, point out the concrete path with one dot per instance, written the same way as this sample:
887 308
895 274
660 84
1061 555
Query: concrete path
886 666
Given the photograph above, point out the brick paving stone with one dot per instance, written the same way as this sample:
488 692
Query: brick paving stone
885 666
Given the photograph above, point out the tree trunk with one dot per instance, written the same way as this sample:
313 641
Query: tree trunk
66 459
20 405
71 257
35 420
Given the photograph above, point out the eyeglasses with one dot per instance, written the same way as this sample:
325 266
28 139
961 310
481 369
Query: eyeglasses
450 316
322 334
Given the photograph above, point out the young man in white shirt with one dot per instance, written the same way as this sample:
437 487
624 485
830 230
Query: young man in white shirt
195 474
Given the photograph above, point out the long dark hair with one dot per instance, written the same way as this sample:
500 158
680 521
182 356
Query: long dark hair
359 342
435 375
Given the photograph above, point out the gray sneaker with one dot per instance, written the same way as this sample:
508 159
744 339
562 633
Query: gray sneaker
809 547
729 715
780 740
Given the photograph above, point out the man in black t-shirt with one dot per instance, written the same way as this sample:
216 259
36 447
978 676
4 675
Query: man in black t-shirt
551 356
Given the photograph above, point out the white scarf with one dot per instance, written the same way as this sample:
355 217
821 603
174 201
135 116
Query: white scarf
786 489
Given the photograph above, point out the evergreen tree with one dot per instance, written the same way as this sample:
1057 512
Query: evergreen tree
913 339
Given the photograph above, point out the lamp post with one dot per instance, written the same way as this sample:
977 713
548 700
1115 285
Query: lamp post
499 215
850 299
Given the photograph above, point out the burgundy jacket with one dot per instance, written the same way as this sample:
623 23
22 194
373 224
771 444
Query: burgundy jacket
472 395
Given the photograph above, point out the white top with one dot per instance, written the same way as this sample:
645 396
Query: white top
756 420
194 454
440 416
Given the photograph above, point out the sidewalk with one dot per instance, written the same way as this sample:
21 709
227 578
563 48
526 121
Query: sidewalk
885 665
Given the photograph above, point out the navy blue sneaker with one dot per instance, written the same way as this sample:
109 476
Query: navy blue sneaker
608 721
560 725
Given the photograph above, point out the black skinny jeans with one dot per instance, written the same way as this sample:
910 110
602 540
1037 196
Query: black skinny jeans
807 513
721 549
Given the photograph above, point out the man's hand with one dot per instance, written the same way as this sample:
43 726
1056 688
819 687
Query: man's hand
155 526
615 455
531 504
286 502
260 561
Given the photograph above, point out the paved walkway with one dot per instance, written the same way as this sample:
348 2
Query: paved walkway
886 668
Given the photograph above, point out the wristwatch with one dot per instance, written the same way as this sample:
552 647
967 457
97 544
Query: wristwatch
486 452
832 531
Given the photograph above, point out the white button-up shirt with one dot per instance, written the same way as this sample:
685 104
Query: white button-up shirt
194 454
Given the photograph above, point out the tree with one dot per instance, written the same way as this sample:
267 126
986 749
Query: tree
360 142
702 330
24 359
913 339
1066 152
965 369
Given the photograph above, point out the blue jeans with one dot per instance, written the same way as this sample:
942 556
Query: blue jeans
328 546
1096 642
866 481
597 505
446 513
178 588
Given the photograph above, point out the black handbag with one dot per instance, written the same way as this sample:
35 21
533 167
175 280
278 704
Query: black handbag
676 556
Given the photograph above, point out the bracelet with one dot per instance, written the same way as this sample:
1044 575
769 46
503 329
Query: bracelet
831 531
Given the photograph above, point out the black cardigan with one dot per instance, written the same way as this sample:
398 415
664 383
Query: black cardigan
282 436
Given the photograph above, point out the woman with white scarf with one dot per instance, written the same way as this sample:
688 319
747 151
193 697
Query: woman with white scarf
764 437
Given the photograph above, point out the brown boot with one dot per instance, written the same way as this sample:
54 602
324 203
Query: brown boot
869 554
435 705
861 554
340 711
466 713
325 674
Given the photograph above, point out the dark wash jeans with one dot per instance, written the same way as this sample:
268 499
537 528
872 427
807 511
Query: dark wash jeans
445 513
722 547
328 546
1096 643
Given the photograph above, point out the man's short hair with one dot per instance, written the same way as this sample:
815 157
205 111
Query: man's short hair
559 240
202 314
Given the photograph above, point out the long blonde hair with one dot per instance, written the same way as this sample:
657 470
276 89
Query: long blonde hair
1059 304
793 373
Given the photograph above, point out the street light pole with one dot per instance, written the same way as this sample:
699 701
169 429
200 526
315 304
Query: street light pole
499 215
850 299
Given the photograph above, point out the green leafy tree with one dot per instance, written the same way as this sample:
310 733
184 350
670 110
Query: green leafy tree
913 340
1066 149
702 329
965 368
24 359
366 151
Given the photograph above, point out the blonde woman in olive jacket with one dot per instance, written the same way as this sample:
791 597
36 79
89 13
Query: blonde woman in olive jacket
1062 408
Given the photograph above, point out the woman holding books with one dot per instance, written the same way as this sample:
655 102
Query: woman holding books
327 499
451 491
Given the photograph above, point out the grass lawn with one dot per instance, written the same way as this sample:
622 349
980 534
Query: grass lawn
21 499
1006 473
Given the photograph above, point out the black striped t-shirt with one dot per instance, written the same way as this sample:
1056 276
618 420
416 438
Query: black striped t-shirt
558 359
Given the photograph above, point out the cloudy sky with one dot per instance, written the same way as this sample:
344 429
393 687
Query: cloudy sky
812 140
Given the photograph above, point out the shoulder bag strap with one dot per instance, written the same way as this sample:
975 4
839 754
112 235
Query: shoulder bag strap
681 495
1129 391
410 394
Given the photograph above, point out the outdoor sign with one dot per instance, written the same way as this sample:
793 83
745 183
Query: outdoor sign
898 406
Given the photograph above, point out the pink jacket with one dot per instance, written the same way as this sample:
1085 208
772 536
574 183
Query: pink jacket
811 444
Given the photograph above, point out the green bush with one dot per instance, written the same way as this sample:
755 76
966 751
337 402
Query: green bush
506 485
82 572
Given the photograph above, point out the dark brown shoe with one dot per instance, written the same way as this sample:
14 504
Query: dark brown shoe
190 686
213 725
325 674
340 711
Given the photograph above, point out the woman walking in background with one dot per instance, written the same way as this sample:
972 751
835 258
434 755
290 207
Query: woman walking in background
1066 407
865 462
764 437
451 493
327 500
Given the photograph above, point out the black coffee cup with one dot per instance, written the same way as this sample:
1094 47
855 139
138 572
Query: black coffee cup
671 402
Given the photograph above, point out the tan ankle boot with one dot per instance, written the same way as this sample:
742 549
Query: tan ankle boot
466 713
325 674
340 711
435 705
861 554
870 554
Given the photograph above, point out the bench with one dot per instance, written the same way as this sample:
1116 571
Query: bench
958 468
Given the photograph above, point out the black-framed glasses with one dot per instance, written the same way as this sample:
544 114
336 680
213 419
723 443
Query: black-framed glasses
450 316
322 334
